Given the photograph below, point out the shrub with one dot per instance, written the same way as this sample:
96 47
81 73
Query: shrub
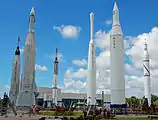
98 117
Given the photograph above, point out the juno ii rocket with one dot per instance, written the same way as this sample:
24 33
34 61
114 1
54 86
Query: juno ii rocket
147 82
91 82
117 62
15 79
26 96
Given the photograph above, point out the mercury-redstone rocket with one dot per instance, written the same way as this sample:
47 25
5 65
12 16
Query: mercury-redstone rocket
26 96
56 69
55 90
147 82
91 82
117 62
15 79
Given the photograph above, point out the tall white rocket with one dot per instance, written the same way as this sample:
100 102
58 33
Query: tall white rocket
147 82
55 90
56 69
91 82
117 61
15 79
26 96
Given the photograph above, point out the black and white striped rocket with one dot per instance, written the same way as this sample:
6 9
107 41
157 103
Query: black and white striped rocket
15 79
146 67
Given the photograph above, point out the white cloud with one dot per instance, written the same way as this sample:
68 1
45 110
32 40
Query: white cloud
80 73
82 62
68 31
102 39
40 67
108 22
134 75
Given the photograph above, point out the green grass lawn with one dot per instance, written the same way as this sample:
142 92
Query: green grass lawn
133 119
129 119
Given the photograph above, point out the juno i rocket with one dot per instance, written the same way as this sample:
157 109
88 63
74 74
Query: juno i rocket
26 96
15 79
147 82
91 84
117 61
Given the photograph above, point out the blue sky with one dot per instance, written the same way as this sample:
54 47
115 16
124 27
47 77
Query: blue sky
136 17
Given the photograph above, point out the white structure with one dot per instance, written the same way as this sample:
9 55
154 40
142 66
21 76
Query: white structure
91 82
45 92
55 90
117 61
15 79
147 82
26 96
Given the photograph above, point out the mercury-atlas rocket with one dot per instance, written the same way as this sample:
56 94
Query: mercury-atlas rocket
26 96
91 82
117 62
15 79
147 82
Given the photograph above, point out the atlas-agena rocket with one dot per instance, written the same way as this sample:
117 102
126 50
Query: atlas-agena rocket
91 82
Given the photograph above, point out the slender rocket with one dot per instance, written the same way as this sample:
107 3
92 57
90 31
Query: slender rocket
56 69
26 96
91 82
147 82
56 92
117 61
15 79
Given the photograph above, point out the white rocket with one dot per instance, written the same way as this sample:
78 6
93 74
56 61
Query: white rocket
91 82
56 92
117 61
15 79
56 69
55 89
147 82
26 96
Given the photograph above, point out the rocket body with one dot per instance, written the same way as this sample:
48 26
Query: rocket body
56 71
147 82
26 96
117 61
15 79
91 82
56 92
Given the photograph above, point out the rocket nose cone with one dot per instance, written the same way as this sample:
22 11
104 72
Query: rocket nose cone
32 11
115 7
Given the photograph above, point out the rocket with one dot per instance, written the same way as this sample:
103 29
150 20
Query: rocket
55 88
56 69
15 79
117 61
146 67
91 82
26 96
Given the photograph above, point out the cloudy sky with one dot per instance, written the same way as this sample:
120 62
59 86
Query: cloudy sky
64 24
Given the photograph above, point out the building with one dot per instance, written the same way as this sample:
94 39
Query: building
68 98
